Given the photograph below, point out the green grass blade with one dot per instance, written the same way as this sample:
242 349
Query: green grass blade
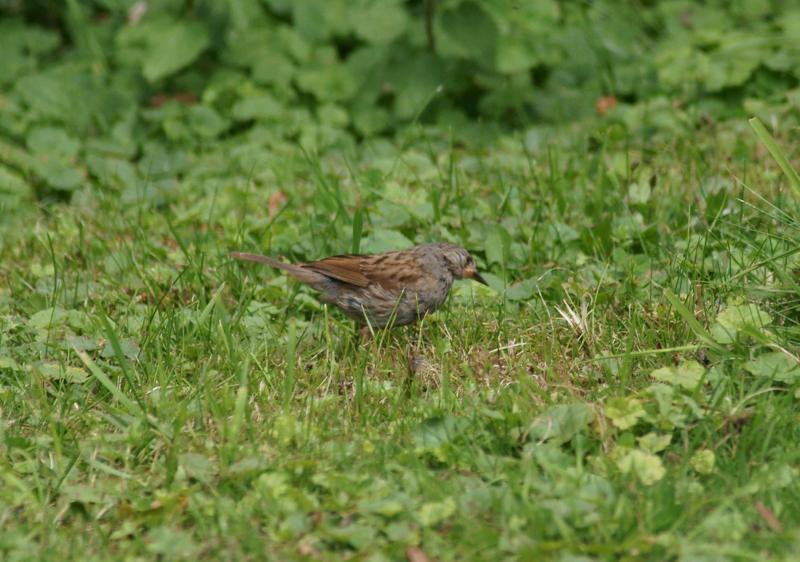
689 318
129 405
776 152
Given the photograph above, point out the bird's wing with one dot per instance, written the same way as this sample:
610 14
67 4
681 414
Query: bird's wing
392 271
342 268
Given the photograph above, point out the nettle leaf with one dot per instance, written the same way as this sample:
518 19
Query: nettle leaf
774 365
688 374
415 77
173 544
561 423
384 240
260 107
174 47
437 431
736 60
19 36
198 466
54 94
357 535
113 172
378 21
468 31
321 19
53 142
624 411
22 44
205 121
498 242
737 318
58 175
329 82
526 31
388 507
519 291
679 65
13 188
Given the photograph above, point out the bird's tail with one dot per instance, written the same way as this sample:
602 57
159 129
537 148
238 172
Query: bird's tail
296 271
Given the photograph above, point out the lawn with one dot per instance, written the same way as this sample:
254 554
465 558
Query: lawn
626 387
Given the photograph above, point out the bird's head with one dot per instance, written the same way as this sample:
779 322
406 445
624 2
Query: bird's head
461 263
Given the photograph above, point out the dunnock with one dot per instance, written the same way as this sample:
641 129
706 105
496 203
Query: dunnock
395 288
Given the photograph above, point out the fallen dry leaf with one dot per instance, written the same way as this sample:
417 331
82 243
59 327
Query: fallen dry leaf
276 201
605 104
769 517
416 554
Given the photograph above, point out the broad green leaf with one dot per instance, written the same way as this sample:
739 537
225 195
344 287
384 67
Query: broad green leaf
433 513
434 432
378 21
52 142
520 291
57 316
416 78
320 19
330 82
702 461
647 467
19 36
497 244
113 172
736 318
263 107
624 411
774 365
13 186
174 48
653 442
688 374
388 507
54 371
403 532
172 544
469 31
59 175
778 154
206 121
198 467
53 95
9 364
639 193
736 59
561 423
130 349
357 535
384 240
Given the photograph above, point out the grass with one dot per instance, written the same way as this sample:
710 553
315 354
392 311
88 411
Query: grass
627 390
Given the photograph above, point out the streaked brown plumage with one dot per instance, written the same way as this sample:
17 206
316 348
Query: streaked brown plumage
392 287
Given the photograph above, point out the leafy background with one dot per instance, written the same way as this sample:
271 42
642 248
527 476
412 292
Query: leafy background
104 90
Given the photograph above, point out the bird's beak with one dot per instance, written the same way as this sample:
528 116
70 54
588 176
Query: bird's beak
472 273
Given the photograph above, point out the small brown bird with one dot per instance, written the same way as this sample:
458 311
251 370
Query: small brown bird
396 288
